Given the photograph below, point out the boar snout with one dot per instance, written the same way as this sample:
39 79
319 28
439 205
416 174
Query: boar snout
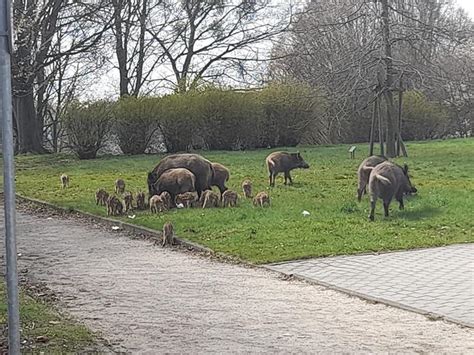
304 165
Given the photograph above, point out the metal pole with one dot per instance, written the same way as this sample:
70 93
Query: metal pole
9 178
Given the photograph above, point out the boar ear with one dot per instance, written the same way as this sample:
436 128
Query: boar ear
405 169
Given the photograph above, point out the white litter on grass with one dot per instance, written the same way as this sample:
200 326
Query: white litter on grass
305 213
180 205
115 228
132 216
49 218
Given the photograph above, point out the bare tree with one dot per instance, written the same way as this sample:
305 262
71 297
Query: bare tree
358 51
207 39
36 24
136 53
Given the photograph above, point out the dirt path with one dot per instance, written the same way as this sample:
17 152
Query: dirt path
149 300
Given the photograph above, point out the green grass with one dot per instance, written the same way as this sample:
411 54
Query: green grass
440 214
38 319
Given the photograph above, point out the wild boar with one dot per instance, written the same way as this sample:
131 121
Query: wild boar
209 199
64 181
119 186
220 177
167 200
156 204
229 198
363 173
386 181
128 200
261 199
247 188
175 182
114 206
140 200
199 166
101 197
187 199
284 162
167 237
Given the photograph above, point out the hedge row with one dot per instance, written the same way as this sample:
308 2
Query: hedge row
214 119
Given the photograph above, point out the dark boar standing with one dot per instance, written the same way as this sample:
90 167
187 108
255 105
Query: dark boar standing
220 177
363 173
200 167
175 182
283 162
388 180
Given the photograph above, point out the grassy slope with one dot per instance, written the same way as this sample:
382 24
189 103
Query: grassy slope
38 319
443 172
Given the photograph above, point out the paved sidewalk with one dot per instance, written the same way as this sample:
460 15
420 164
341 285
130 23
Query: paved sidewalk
149 300
436 280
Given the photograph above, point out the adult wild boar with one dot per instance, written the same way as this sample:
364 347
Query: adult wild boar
388 180
175 182
221 176
200 167
284 162
364 170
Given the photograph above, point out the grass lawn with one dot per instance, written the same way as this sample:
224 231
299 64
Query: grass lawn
440 214
43 329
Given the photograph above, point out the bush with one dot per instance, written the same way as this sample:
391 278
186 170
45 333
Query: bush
87 125
289 110
228 120
178 121
421 118
135 122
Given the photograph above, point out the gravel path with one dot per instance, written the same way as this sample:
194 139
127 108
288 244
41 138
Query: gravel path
151 300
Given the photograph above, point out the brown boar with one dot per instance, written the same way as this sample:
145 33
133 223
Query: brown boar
156 204
363 173
220 177
64 181
187 199
261 199
140 200
101 197
128 200
175 182
284 162
388 180
229 198
168 201
199 166
167 237
209 199
247 188
119 186
114 206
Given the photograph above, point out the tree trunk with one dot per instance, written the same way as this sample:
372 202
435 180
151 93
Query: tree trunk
372 128
29 130
382 151
392 127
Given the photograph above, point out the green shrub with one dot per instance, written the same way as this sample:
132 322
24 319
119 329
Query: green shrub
289 110
178 121
87 126
135 122
228 119
421 118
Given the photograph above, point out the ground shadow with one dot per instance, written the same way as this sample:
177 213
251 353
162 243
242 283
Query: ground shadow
420 213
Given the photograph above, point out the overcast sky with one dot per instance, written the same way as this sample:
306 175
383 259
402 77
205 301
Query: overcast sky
468 5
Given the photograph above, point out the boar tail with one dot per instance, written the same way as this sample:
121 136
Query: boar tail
382 179
270 163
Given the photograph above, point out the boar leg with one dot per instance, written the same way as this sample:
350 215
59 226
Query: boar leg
385 207
373 201
288 178
272 179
